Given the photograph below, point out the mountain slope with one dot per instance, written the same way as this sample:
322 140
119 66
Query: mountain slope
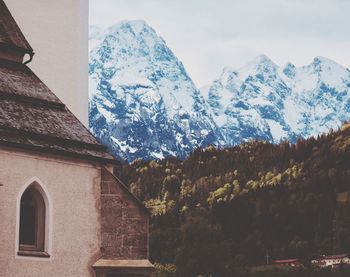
142 101
143 104
264 101
252 197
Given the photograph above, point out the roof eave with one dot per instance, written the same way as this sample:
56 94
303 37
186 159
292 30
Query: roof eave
39 149
12 47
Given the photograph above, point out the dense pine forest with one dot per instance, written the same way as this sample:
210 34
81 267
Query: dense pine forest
221 212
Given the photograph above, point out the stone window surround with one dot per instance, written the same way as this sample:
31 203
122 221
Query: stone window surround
45 255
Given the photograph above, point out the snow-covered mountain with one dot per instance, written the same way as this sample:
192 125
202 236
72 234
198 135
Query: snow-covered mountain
142 101
143 104
262 100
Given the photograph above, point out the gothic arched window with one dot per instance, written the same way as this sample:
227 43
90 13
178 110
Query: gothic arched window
32 223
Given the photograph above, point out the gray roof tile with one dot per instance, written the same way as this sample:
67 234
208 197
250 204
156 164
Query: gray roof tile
31 116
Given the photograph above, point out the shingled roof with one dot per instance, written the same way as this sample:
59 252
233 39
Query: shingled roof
10 33
31 116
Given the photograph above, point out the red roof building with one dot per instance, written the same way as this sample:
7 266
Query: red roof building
288 262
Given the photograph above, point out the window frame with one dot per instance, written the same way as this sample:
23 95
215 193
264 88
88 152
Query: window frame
38 248
42 248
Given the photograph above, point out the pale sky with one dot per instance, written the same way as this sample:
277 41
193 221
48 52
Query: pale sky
207 35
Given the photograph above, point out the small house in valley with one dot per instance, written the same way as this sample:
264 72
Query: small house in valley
332 261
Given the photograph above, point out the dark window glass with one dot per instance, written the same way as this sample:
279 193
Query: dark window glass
32 221
28 219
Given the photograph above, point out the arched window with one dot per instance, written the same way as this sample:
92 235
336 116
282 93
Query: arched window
32 223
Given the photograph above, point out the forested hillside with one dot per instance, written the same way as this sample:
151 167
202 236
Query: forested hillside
223 210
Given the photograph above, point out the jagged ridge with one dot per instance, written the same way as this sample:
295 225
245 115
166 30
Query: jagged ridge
143 104
142 101
262 100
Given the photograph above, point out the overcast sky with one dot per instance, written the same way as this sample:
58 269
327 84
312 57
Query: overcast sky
207 35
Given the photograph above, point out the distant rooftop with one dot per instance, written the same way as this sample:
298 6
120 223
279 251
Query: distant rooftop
286 261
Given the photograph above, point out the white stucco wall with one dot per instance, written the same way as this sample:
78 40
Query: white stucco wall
74 189
58 33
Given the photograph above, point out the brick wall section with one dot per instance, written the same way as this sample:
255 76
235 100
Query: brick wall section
124 221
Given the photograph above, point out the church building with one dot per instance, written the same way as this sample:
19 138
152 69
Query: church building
63 212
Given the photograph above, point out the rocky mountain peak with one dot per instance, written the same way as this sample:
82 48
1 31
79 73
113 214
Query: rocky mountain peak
143 104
